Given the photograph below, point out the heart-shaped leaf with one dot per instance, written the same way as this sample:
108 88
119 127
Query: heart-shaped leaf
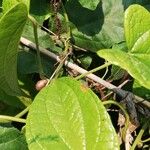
69 117
137 60
137 22
11 27
12 139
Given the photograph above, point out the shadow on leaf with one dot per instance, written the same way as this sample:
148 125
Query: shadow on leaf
87 21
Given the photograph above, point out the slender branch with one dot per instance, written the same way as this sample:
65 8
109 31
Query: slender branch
95 78
93 70
79 48
146 140
4 118
120 86
47 30
106 71
22 112
55 73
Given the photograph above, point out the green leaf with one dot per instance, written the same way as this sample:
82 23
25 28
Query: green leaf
137 60
27 63
44 39
127 3
27 2
10 100
9 110
7 4
27 86
134 26
141 91
86 60
136 64
69 116
99 28
40 9
11 25
0 8
116 73
92 4
12 139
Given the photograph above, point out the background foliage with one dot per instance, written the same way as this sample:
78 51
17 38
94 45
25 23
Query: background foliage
70 114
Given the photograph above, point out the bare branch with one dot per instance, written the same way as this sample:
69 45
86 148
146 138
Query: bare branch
95 78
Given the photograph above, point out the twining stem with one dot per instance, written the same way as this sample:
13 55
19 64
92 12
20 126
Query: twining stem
93 70
22 112
79 48
138 138
55 73
125 113
35 27
66 44
4 119
106 71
